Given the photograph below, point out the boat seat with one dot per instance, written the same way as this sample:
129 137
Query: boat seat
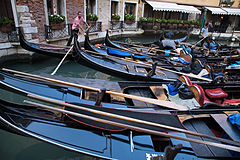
199 94
185 80
216 93
231 101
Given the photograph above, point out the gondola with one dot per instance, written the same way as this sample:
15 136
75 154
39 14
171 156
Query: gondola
62 128
123 68
45 49
85 91
136 46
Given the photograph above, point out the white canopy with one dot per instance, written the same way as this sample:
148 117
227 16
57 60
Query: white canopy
232 11
164 6
215 10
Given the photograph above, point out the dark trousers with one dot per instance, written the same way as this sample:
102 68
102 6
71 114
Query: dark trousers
205 40
74 31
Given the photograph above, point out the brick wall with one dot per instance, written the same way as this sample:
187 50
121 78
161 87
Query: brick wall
73 6
36 12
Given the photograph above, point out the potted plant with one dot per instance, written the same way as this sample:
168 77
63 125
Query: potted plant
143 20
158 22
92 18
6 24
115 17
150 20
180 23
56 21
129 18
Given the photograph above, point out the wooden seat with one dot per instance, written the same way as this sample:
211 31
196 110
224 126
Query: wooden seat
158 91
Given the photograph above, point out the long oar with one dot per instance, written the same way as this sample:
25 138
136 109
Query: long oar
139 129
162 103
150 65
199 42
61 61
150 48
130 119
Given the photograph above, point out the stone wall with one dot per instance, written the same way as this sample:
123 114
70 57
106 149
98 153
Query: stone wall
73 6
32 18
104 12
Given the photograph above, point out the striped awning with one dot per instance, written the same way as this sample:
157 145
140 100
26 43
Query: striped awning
232 11
165 6
215 10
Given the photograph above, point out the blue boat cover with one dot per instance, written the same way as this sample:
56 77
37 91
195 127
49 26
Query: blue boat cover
171 90
178 59
119 53
141 57
235 120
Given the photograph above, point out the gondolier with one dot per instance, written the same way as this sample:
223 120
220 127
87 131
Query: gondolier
77 27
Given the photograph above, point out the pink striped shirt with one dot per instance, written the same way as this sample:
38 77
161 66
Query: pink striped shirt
77 21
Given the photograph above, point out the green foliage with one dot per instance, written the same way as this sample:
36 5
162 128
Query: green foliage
5 20
159 20
56 18
143 19
115 16
172 21
164 21
129 17
92 17
151 19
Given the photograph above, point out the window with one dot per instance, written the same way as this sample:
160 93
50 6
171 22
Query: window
6 9
148 11
91 7
130 8
166 15
183 16
114 9
55 7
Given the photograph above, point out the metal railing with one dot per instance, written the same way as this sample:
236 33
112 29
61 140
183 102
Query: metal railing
123 25
94 27
61 32
65 30
9 36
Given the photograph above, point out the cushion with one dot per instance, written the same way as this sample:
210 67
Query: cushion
216 93
231 101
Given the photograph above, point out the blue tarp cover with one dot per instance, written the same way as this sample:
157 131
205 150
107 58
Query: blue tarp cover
235 120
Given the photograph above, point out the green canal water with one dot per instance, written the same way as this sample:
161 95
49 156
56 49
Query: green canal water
16 147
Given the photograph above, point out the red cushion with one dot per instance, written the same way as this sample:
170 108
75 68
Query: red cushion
216 93
231 101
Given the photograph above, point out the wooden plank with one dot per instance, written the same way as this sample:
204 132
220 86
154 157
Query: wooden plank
200 150
232 131
158 91
201 127
136 102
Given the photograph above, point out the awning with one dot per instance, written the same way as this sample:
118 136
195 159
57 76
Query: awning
164 6
189 9
215 10
232 11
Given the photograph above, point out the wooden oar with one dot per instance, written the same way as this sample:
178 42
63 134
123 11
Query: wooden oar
139 129
62 61
151 48
199 42
130 119
162 103
150 65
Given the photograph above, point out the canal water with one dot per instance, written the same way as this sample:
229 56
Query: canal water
16 147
